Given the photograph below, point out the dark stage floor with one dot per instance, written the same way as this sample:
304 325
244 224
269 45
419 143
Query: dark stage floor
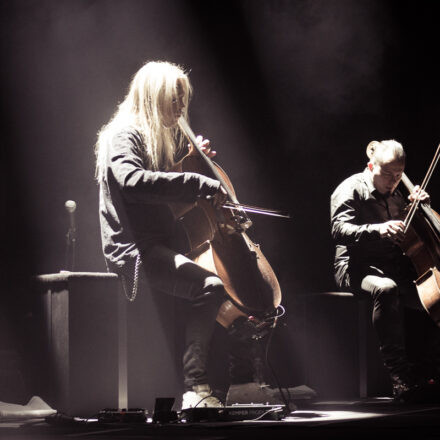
372 419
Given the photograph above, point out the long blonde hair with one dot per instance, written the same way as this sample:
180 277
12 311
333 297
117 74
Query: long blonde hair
150 96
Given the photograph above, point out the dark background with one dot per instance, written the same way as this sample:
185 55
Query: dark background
289 93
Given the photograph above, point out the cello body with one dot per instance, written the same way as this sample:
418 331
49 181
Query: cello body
422 246
216 241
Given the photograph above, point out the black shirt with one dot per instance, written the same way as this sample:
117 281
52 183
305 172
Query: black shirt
357 209
134 201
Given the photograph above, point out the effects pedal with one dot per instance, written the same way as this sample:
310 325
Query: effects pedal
130 415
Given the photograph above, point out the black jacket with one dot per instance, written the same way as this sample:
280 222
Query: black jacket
357 209
133 200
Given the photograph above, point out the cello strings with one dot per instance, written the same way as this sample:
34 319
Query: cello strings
432 218
192 138
423 186
431 168
233 204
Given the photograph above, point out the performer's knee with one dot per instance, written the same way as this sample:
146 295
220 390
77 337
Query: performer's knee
386 290
212 291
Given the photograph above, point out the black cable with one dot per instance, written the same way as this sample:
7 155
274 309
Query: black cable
269 411
287 401
201 400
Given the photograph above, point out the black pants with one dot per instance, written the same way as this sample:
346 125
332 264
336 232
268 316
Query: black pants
392 296
169 272
389 299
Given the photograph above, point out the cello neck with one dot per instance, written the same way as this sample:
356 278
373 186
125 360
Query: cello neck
423 186
426 209
192 138
407 183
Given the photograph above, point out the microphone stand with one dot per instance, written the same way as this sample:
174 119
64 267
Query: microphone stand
70 237
70 249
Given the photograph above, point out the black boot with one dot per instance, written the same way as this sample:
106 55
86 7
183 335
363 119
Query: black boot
403 379
405 388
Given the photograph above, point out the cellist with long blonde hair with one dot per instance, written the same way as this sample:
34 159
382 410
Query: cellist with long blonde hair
135 153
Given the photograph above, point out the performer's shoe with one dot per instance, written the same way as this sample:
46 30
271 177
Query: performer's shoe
402 373
200 397
405 389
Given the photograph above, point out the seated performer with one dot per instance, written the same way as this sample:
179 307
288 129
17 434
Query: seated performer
366 213
136 151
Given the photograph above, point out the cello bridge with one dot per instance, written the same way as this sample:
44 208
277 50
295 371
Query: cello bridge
422 278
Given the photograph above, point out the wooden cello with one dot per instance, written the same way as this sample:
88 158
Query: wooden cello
217 241
422 244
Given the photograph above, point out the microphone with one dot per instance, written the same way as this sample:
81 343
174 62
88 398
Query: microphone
70 206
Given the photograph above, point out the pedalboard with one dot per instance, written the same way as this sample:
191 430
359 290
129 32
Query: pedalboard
233 413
